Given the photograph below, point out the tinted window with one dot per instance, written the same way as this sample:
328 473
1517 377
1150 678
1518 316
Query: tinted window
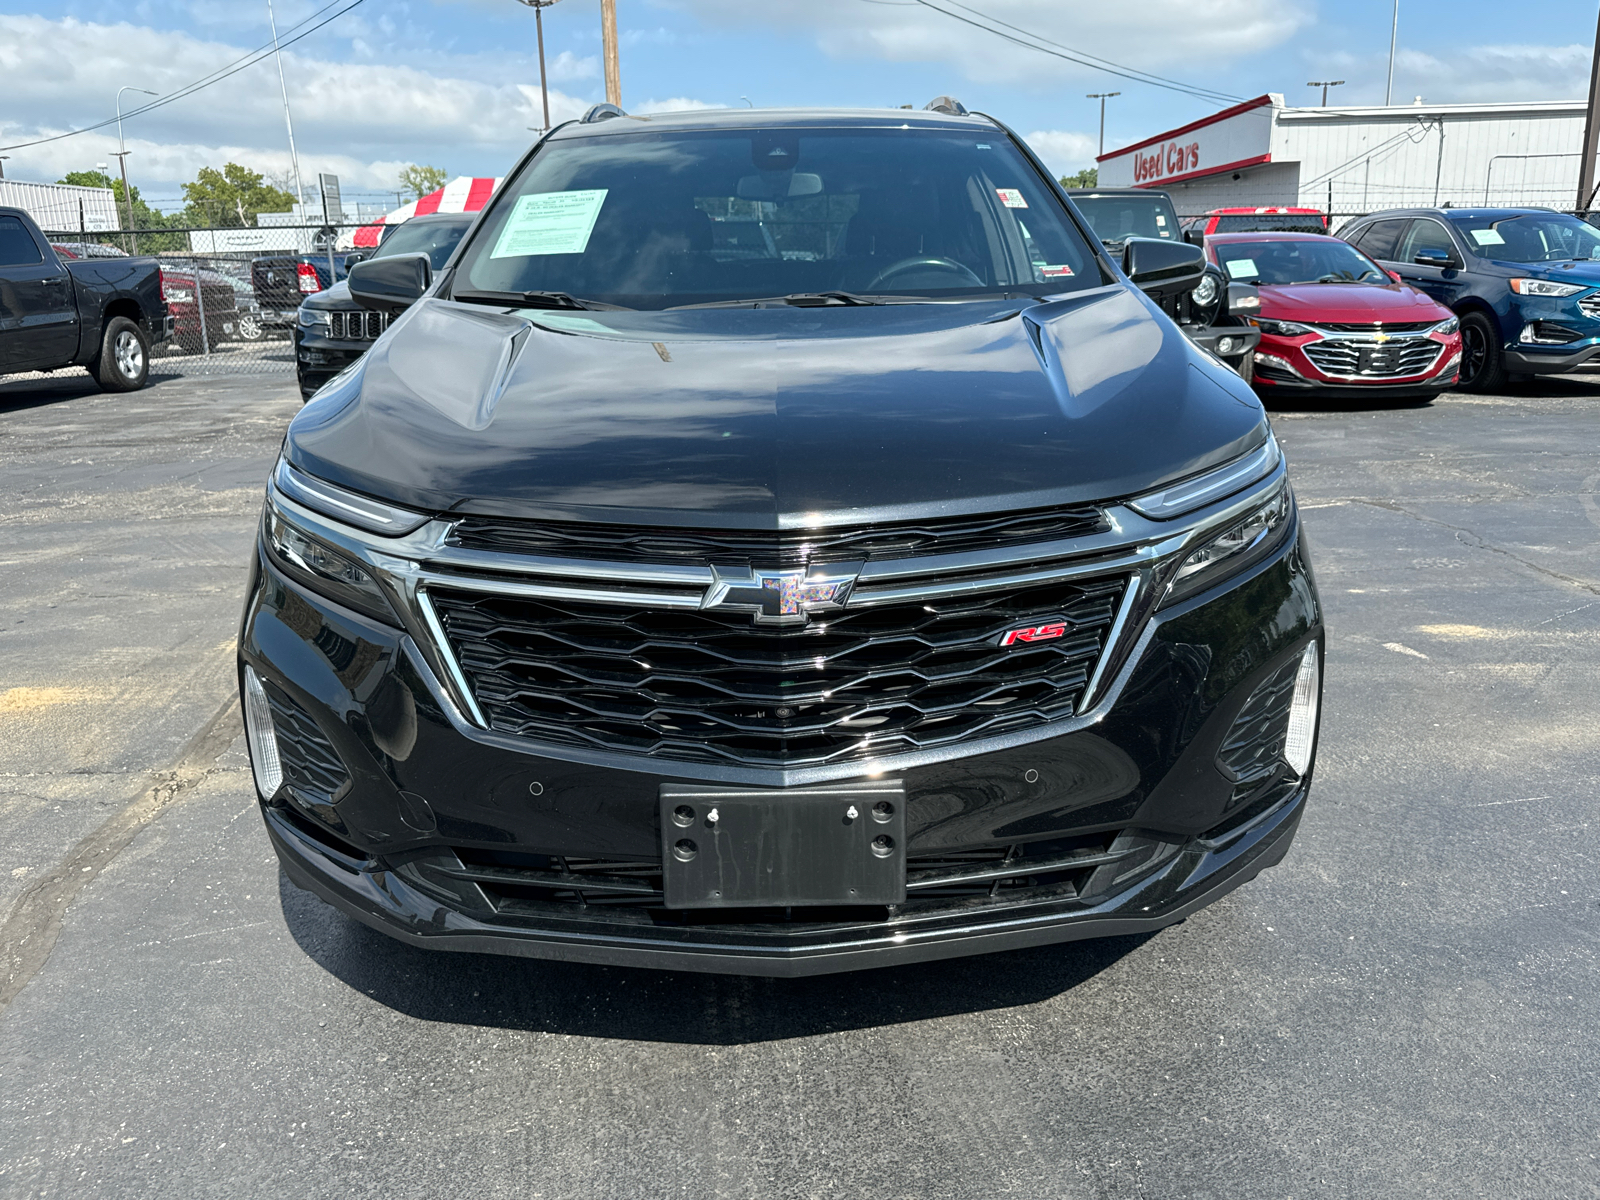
1117 218
17 247
1427 237
436 239
1275 222
651 220
1530 237
1321 261
1379 238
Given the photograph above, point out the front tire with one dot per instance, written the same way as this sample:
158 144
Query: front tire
123 364
1483 363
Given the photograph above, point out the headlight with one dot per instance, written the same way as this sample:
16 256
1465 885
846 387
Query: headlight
1450 326
1241 543
322 568
1281 328
1205 292
317 320
1546 287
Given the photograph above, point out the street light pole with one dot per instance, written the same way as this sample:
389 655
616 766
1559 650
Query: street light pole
294 157
1102 97
1324 84
1591 135
122 157
1394 33
538 7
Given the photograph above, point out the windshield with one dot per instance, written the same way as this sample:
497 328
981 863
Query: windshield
655 220
1297 261
1530 237
1277 222
436 239
1118 218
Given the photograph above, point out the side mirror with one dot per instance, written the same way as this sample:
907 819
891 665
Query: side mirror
390 284
351 260
1195 236
1160 268
1244 300
1394 275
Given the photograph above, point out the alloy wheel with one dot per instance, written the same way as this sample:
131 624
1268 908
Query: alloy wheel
1473 352
129 355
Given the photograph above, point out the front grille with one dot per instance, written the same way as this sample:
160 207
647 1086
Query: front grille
357 325
1081 866
1373 360
773 548
1377 326
1590 305
1252 752
311 767
704 686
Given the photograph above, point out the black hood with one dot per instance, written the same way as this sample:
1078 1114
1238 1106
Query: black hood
775 416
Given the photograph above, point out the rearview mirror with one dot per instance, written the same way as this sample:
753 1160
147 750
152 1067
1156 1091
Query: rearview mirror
1160 268
390 284
779 185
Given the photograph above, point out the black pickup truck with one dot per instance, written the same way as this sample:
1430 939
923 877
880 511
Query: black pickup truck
100 313
281 281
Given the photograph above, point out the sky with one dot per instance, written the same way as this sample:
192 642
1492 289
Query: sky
455 83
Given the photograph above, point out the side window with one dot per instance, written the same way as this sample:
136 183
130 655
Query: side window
1429 238
17 247
1380 237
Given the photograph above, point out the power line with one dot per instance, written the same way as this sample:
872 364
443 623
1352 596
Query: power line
1081 57
205 81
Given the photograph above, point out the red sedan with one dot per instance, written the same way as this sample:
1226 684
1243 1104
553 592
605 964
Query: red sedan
1332 320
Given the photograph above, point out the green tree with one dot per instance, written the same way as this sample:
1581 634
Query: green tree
232 196
144 217
1086 178
418 181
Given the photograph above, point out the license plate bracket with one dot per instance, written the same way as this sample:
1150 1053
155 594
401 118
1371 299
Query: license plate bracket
727 847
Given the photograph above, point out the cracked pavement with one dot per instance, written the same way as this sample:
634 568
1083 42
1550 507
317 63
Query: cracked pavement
1405 1007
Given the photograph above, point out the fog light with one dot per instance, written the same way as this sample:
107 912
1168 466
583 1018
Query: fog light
1225 345
1303 711
264 762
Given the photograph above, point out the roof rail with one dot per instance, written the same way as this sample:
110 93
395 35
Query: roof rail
946 104
601 112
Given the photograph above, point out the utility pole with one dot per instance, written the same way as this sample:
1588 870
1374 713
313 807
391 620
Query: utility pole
1394 33
3 158
1324 84
294 157
608 37
1591 133
1102 97
122 157
538 7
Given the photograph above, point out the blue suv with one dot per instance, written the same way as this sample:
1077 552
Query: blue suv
1524 281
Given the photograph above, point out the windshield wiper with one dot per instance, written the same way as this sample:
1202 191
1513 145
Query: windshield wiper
535 300
806 300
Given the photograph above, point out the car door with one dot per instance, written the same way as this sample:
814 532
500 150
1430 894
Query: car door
1428 259
1381 239
38 314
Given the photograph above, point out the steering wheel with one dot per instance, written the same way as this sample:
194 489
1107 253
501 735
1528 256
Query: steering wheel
947 266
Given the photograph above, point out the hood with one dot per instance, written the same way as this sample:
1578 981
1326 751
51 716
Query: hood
1585 271
763 418
1349 303
337 296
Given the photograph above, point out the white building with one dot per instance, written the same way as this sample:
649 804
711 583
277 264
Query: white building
1349 161
61 208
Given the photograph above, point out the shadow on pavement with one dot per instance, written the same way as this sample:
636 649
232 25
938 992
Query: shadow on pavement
673 1006
17 395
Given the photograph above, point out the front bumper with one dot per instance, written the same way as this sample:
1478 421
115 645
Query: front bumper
425 787
1282 363
1552 360
318 359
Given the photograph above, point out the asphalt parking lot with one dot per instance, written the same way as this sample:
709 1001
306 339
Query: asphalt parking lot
1404 1008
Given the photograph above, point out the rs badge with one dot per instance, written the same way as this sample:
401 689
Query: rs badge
1034 633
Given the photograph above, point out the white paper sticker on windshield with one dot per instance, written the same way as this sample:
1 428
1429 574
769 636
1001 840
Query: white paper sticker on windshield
1011 198
550 223
1160 219
1242 268
1054 270
1488 237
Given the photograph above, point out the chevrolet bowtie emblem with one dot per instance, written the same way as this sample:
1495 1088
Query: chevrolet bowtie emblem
780 597
1381 338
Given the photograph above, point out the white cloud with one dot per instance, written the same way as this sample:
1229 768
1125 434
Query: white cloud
1063 151
676 104
1489 73
362 120
1187 38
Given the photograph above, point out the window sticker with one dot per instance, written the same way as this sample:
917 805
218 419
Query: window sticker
1161 219
983 145
1054 270
1488 237
1011 198
550 223
1242 268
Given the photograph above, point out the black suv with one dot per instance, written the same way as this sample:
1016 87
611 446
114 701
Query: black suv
779 543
